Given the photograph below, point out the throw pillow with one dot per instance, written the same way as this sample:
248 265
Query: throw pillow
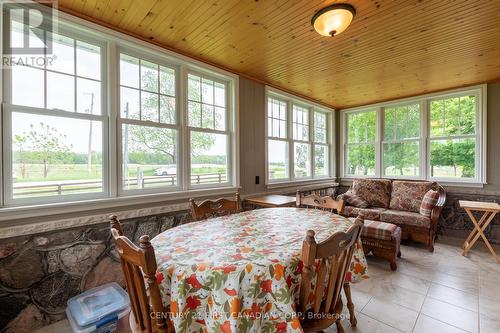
353 200
429 202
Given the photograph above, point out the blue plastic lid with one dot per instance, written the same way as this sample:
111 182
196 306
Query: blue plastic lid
94 304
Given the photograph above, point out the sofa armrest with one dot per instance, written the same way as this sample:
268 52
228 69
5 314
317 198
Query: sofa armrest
436 211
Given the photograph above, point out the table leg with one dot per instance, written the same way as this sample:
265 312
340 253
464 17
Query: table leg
480 232
350 304
474 231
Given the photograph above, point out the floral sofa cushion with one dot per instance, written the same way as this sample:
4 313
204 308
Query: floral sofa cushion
402 217
377 192
370 213
408 195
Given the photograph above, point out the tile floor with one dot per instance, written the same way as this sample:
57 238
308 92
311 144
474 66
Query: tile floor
440 292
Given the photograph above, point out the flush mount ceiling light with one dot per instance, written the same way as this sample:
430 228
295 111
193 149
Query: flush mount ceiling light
334 19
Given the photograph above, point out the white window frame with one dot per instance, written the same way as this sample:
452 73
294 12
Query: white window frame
330 143
112 195
480 91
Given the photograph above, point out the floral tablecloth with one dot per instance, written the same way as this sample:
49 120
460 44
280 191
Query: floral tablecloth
241 273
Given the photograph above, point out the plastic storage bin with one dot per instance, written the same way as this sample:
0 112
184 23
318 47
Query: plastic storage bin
102 309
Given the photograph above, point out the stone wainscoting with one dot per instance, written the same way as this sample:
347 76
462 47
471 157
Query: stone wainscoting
39 273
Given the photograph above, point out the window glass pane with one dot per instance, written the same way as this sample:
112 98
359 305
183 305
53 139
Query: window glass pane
401 159
129 103
60 91
149 76
321 160
167 110
149 157
453 158
302 160
88 60
220 118
453 116
220 94
129 71
194 88
320 127
194 114
88 96
55 156
27 86
208 158
277 157
402 122
207 116
277 118
300 123
360 159
63 54
361 127
167 81
207 91
149 106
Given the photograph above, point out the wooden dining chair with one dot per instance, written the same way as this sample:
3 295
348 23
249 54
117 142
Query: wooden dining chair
325 203
335 252
139 268
209 208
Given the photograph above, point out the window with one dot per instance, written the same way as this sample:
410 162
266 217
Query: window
55 120
401 145
169 122
298 139
148 124
360 144
208 135
453 137
438 136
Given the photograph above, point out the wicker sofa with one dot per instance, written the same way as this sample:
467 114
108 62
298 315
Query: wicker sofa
398 202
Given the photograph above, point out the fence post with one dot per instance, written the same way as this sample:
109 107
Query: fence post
220 178
198 181
59 189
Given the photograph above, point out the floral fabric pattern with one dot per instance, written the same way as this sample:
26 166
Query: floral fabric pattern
402 217
407 195
242 272
370 213
376 192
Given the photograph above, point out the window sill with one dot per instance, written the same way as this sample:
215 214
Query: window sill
86 206
304 184
348 181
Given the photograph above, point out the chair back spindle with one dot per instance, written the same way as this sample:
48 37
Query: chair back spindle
139 268
213 208
334 255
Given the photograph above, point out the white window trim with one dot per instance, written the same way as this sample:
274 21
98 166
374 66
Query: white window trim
312 107
481 145
112 196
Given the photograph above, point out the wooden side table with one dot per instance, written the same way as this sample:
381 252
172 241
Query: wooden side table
271 201
489 210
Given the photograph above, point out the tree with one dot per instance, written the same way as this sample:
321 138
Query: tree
46 145
20 142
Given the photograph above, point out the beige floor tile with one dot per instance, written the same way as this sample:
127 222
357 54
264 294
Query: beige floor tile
489 325
359 298
391 314
58 327
427 324
409 282
454 296
489 307
399 295
469 284
451 314
370 325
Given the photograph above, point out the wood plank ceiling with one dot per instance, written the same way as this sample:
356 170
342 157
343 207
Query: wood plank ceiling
393 48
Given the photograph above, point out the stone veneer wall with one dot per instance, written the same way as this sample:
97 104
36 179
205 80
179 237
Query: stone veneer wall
39 273
454 220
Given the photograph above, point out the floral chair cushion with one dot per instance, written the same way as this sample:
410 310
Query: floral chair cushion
376 192
429 202
353 200
370 213
402 217
408 195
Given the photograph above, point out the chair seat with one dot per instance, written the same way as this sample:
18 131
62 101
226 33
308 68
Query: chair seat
379 230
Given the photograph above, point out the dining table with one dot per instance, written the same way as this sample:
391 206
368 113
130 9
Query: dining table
242 272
